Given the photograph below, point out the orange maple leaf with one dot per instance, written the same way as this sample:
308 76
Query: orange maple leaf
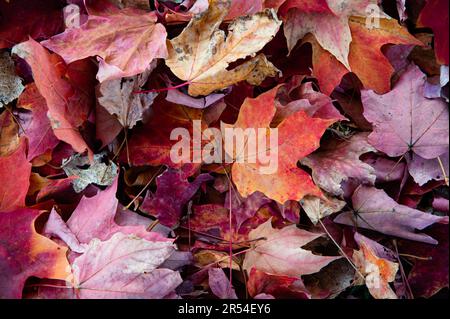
298 136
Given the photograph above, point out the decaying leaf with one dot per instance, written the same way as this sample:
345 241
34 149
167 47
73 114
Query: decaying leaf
98 172
119 97
378 272
10 84
317 208
201 54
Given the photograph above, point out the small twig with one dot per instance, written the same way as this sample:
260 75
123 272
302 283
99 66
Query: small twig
402 271
153 225
342 251
416 257
142 191
443 171
164 89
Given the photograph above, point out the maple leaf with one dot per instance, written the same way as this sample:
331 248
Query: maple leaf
378 271
366 59
314 103
151 143
279 252
56 227
337 162
202 52
24 18
298 135
68 106
25 253
326 20
386 170
220 285
245 208
172 193
439 25
128 106
126 42
404 120
15 182
94 217
244 211
423 170
278 286
10 84
124 266
37 127
376 211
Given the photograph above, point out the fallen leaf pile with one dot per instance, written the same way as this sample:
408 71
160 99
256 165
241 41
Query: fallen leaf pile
95 96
